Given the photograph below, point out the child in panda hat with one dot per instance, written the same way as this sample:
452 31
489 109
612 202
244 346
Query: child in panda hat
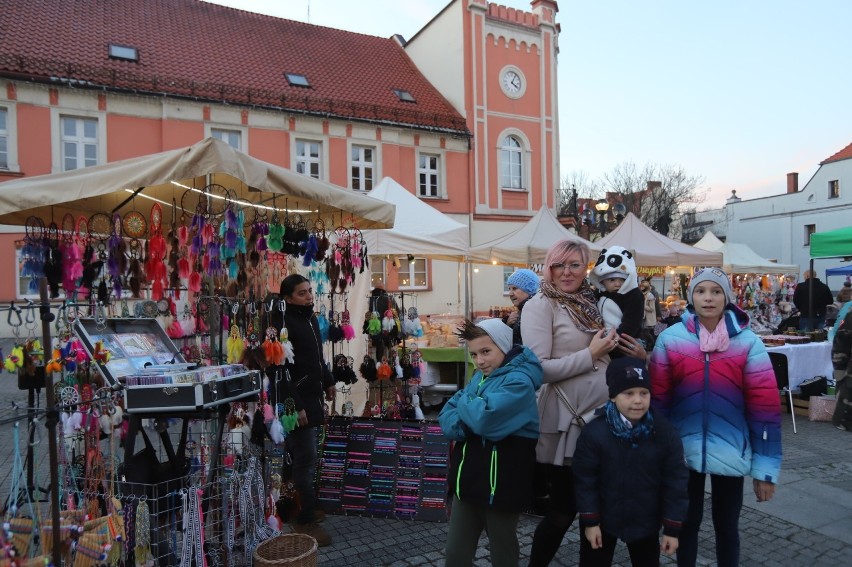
620 300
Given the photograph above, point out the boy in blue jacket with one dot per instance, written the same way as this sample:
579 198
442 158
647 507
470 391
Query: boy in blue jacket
630 475
494 424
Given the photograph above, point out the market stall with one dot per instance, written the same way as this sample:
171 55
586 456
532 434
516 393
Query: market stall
423 232
150 263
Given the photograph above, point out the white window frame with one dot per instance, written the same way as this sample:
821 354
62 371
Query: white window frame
810 229
409 268
439 173
362 166
221 132
512 157
11 135
525 157
19 265
56 116
507 271
301 159
834 189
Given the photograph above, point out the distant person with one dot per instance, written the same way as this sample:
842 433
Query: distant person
845 293
494 425
657 306
620 301
522 284
809 321
841 357
650 321
630 477
712 378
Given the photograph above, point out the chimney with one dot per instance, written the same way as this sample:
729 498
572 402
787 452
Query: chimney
792 182
651 185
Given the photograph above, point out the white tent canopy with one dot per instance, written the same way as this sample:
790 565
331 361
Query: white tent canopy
418 228
740 259
653 249
528 244
165 177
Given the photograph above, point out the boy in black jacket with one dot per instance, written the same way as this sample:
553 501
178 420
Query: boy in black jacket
630 476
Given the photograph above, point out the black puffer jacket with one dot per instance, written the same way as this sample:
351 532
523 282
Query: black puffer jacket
631 491
309 373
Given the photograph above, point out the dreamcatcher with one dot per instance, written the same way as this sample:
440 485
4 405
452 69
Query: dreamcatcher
155 266
33 252
117 262
52 259
135 227
100 227
72 256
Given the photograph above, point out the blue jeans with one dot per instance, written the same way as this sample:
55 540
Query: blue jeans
812 323
302 445
726 497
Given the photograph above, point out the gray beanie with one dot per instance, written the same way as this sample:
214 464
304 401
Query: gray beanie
499 332
715 275
524 279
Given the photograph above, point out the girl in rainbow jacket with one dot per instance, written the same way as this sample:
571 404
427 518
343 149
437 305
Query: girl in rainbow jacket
712 378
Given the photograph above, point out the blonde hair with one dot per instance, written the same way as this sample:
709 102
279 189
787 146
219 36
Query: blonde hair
559 252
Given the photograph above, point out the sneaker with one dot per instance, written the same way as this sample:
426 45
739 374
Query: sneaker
315 531
841 427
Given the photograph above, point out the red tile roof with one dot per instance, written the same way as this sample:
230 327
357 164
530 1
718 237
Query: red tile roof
845 153
210 52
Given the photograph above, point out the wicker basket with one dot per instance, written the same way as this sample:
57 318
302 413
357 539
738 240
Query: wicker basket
298 550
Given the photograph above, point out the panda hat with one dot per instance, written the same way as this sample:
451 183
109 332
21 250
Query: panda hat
615 262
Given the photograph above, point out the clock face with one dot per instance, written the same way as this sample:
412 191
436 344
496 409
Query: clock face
512 82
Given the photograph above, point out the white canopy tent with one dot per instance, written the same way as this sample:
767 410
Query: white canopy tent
740 259
528 244
653 249
165 177
418 228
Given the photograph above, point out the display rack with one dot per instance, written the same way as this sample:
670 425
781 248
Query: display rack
384 468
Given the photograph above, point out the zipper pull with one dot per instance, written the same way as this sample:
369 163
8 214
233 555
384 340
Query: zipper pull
764 433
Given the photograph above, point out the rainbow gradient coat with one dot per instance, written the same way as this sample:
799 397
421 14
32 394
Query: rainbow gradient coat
724 404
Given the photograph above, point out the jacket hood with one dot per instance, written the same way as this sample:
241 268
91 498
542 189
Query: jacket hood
736 320
615 260
522 359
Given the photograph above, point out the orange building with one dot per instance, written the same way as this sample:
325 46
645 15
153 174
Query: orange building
463 114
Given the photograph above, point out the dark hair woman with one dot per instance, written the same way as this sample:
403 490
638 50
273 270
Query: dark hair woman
308 378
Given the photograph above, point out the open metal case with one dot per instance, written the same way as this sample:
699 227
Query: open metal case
152 373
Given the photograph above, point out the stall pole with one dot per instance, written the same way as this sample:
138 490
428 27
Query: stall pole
51 422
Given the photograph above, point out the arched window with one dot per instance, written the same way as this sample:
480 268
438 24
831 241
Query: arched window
511 164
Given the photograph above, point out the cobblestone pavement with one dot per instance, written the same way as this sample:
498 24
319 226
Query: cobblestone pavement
807 524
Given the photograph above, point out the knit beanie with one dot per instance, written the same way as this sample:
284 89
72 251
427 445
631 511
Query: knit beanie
524 279
500 333
715 275
625 373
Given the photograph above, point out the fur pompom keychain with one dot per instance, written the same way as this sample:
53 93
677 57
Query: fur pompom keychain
272 348
368 369
323 323
374 327
236 345
287 346
346 326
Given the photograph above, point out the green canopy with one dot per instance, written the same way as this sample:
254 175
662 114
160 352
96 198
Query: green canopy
832 244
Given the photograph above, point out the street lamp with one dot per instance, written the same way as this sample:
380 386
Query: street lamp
601 210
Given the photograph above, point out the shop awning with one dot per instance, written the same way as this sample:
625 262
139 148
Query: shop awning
166 177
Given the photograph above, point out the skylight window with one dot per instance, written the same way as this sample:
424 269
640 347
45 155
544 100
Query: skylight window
123 52
404 96
297 80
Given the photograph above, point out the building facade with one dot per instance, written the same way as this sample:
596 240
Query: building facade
463 114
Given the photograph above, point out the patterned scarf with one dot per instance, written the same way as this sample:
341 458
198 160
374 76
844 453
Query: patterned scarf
581 306
621 429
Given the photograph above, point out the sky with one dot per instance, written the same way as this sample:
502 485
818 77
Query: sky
739 92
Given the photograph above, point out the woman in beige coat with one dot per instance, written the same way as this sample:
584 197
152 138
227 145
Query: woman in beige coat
563 327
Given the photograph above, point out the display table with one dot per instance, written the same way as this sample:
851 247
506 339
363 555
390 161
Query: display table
435 356
806 361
